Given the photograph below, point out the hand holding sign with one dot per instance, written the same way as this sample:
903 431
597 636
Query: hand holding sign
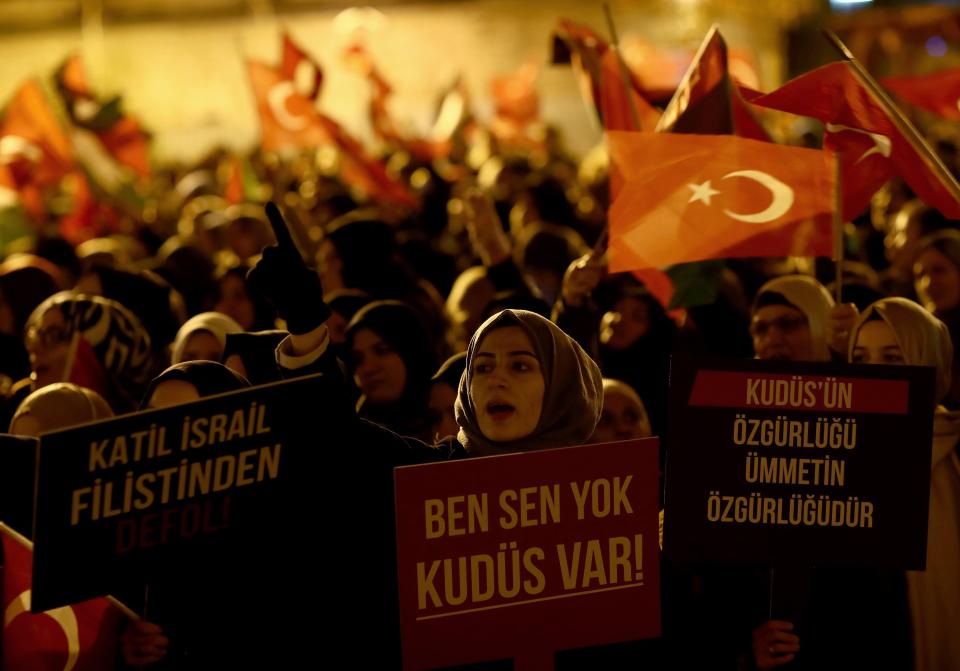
283 277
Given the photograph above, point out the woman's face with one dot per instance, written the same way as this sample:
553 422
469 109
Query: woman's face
937 281
443 420
877 343
507 385
201 346
378 369
173 392
625 324
781 333
622 419
235 302
48 344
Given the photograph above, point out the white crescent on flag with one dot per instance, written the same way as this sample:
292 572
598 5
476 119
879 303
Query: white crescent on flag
63 616
277 99
881 143
782 197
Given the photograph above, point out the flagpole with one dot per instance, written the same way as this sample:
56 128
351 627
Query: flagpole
837 228
903 124
624 73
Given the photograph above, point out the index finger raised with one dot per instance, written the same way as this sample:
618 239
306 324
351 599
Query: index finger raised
280 229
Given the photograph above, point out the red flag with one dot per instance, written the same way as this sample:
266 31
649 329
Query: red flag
45 154
288 120
299 68
694 197
383 124
598 69
938 92
707 102
872 136
233 191
121 135
81 637
517 107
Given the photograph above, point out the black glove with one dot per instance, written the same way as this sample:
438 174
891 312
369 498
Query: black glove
283 277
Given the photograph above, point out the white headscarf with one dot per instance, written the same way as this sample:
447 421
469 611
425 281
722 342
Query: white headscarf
215 323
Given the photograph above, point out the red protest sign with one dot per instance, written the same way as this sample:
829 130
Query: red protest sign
521 555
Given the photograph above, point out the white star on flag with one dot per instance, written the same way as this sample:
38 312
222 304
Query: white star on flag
702 192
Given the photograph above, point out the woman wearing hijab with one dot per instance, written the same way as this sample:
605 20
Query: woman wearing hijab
58 406
102 343
850 610
789 320
897 331
203 337
392 359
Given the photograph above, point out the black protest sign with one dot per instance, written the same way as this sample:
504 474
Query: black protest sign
18 458
121 501
798 463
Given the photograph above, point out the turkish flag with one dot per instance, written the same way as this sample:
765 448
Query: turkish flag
695 197
298 67
938 92
81 637
874 138
707 102
287 118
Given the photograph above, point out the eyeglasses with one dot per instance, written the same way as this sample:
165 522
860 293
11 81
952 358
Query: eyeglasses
47 336
785 324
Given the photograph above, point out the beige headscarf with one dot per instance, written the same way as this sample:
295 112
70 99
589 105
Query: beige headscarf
934 594
62 404
813 300
217 324
923 339
572 396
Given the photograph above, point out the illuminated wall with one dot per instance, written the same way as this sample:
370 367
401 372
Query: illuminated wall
187 82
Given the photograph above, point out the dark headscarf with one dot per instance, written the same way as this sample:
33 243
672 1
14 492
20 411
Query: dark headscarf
400 327
258 353
572 395
25 281
208 377
146 295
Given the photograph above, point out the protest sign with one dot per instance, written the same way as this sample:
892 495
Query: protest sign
18 458
117 501
783 463
520 555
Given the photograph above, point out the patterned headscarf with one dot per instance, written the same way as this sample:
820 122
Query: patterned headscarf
119 341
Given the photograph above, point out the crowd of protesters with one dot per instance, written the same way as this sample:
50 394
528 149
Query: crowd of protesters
483 322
